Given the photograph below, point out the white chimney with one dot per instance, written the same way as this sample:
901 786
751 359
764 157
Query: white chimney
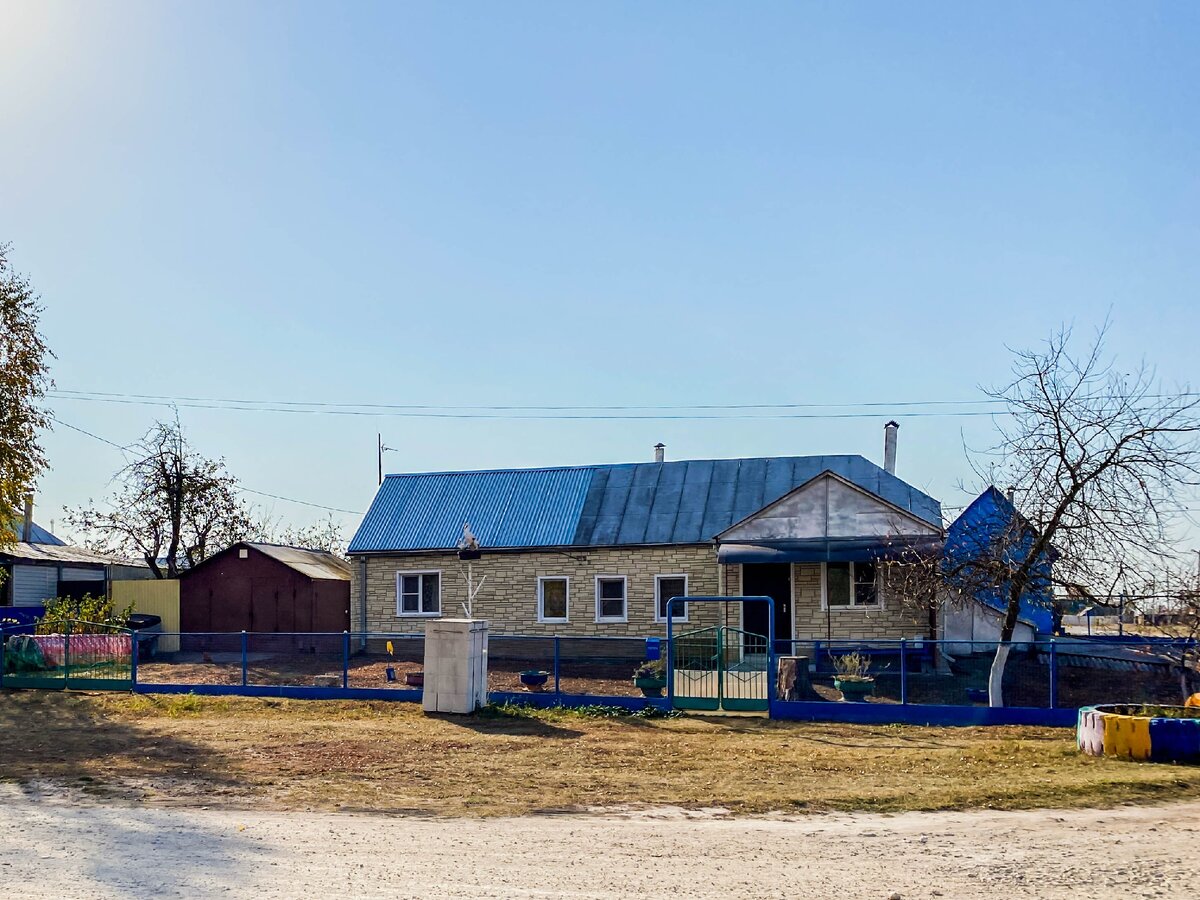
660 452
27 528
890 430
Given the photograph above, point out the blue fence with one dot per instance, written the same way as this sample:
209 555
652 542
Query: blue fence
915 681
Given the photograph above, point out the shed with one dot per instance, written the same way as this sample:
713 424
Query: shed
266 589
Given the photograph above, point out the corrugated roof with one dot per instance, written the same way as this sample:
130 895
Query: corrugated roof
313 563
688 501
62 553
40 535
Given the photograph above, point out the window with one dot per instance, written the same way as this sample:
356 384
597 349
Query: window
850 585
418 593
610 598
552 599
666 587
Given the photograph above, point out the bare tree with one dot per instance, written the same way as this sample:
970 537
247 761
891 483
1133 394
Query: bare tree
1102 461
325 534
24 378
173 507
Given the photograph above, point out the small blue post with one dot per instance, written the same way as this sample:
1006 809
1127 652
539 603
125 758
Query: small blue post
345 660
557 657
245 648
903 670
133 660
1053 674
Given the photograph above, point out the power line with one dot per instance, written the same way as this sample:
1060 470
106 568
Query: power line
241 488
655 417
517 408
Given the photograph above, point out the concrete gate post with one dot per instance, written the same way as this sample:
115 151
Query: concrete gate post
455 665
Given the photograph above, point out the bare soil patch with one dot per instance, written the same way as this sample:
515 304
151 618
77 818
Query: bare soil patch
391 757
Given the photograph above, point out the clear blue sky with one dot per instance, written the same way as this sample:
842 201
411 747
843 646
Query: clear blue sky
551 203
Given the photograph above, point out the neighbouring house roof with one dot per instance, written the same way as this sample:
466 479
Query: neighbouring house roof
40 535
35 554
683 502
989 517
318 564
46 549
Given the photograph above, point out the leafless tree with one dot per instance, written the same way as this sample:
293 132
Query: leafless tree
1102 462
325 534
173 507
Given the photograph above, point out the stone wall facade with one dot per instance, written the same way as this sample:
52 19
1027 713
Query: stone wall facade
509 595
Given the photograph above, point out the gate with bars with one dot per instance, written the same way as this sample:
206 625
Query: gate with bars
87 656
720 667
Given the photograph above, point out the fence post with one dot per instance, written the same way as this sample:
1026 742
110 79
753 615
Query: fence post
345 660
67 655
903 670
245 647
133 660
1053 674
557 657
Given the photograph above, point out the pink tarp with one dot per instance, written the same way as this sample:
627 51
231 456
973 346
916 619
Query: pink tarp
84 648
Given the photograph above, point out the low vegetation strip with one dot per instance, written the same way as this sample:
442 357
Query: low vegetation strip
385 757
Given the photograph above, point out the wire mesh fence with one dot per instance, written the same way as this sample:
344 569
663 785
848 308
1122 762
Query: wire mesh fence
1065 673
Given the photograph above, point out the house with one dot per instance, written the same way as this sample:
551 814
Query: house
39 567
265 588
992 524
599 550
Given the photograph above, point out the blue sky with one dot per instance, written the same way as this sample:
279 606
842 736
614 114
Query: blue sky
605 204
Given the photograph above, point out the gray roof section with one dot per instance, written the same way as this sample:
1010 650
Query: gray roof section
64 554
685 502
691 501
312 563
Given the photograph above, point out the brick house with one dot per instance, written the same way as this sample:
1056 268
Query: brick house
598 550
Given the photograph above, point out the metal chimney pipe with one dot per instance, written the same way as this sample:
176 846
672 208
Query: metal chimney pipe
660 452
890 431
27 527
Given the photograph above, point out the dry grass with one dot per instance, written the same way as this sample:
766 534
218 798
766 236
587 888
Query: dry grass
390 757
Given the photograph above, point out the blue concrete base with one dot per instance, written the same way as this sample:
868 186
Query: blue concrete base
912 714
294 692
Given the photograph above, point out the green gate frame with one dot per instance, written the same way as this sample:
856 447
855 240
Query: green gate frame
89 675
722 670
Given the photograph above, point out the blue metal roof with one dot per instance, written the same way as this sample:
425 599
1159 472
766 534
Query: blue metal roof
40 535
684 502
986 521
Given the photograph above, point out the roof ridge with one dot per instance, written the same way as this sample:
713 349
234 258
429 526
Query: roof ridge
593 466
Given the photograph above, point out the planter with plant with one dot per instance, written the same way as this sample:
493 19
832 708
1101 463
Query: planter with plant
651 677
851 676
534 679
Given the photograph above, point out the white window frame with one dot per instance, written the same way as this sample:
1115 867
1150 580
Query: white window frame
541 599
624 579
400 613
658 617
877 605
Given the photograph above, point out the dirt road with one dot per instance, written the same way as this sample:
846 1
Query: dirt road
54 847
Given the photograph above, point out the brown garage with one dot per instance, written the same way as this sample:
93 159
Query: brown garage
266 588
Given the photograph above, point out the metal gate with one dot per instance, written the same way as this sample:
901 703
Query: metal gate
720 667
101 659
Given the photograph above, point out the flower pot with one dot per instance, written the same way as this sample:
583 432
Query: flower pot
414 679
651 687
855 691
534 679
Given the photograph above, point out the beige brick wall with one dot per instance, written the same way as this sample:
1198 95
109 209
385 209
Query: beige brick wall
508 598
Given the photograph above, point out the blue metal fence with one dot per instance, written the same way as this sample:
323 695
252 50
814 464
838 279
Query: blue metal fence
913 680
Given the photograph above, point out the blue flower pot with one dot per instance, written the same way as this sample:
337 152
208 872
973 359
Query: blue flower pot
534 679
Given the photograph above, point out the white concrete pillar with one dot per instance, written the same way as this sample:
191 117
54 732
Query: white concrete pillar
455 665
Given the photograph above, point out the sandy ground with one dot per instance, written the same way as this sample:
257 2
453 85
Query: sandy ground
52 846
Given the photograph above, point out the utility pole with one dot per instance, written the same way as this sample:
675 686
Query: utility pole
380 447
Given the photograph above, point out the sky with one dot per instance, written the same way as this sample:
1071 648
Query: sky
616 204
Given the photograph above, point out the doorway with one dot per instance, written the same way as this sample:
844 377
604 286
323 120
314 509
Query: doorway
772 580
